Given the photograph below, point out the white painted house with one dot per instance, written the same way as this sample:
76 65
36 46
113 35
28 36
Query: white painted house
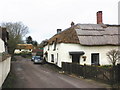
5 59
83 44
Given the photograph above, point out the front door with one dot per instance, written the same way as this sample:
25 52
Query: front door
76 58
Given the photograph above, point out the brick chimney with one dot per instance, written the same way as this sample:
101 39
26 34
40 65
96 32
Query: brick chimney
99 17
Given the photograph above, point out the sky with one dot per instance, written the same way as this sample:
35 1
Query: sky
44 17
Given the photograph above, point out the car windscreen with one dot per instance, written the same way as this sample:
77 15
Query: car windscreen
33 56
37 57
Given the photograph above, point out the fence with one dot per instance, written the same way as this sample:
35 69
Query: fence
106 74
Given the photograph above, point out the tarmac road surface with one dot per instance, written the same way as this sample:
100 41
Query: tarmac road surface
29 75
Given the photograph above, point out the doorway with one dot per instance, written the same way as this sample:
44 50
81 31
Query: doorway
76 58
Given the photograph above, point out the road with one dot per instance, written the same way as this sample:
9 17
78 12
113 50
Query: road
29 75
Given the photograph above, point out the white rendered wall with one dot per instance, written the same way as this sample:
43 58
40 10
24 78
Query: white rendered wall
4 65
54 52
102 50
17 51
4 69
2 48
64 49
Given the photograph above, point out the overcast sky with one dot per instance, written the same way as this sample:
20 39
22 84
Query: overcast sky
44 17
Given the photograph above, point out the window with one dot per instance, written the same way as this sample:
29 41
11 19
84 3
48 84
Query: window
52 58
55 43
48 47
54 46
95 58
46 56
57 59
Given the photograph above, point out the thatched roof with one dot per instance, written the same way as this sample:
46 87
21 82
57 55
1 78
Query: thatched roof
98 34
24 46
88 34
67 36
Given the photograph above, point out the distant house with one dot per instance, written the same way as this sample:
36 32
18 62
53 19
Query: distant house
5 58
83 44
23 48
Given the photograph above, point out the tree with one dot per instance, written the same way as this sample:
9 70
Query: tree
113 56
16 31
35 43
29 40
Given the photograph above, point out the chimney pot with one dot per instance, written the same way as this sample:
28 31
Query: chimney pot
99 17
59 30
72 24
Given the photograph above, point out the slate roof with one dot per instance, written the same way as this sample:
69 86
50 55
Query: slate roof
89 34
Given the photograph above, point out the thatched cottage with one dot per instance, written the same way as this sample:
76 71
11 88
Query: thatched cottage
83 44
23 48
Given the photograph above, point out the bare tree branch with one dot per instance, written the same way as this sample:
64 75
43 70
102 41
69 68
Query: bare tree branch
113 56
16 32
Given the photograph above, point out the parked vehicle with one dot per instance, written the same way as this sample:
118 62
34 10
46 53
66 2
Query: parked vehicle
38 59
32 58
